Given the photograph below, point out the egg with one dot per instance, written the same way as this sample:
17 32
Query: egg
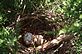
29 38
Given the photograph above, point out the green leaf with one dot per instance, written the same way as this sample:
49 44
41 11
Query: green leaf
6 31
80 16
0 18
76 24
64 2
62 31
1 41
48 0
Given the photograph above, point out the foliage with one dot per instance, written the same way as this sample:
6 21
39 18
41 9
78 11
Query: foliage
7 39
73 12
7 34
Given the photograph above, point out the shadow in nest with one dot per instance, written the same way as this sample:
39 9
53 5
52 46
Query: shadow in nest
36 25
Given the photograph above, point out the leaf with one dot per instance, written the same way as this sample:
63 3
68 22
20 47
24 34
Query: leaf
62 31
48 0
80 16
0 18
1 41
76 24
6 31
